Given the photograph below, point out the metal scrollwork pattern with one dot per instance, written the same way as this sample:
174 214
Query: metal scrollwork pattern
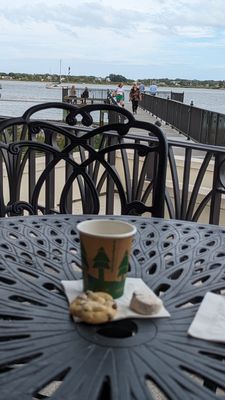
81 166
44 354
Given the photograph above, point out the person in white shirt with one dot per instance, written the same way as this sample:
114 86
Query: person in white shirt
119 94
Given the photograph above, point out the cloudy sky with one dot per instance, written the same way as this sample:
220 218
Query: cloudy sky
134 38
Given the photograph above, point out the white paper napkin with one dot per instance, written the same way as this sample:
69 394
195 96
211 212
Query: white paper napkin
209 321
74 288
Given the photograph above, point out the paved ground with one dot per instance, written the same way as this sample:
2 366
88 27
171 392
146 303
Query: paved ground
170 132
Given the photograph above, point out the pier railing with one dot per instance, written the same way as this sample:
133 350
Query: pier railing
95 95
201 125
169 94
195 184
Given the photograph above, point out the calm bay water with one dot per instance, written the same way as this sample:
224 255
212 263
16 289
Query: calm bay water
17 97
208 99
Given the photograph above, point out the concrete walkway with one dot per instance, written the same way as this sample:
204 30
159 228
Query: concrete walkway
143 115
171 133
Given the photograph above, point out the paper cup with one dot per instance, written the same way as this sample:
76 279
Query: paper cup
105 249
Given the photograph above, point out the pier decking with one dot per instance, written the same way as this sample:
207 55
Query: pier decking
143 115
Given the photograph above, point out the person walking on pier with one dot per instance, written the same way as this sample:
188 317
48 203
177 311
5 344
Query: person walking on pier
142 90
153 89
119 94
134 97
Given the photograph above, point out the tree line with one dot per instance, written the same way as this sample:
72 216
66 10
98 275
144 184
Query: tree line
113 78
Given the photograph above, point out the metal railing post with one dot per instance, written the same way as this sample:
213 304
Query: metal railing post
189 119
217 189
166 121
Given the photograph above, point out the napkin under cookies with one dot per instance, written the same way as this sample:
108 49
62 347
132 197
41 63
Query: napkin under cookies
74 288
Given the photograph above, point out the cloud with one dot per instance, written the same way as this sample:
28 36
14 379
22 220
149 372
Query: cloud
118 17
87 14
194 31
123 34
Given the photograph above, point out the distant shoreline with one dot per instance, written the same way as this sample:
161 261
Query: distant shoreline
109 84
87 81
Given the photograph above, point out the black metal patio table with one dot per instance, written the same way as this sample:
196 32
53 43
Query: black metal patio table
44 354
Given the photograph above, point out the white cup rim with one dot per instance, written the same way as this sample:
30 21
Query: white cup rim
107 228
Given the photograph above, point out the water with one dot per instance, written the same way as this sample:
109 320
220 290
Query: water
208 99
17 97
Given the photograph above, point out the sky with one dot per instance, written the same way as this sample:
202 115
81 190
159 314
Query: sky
134 38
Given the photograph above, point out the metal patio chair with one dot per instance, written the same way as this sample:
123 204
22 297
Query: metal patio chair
95 160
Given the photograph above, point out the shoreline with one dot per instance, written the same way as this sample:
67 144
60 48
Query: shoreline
105 83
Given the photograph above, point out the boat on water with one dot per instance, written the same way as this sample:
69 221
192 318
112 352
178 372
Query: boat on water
54 85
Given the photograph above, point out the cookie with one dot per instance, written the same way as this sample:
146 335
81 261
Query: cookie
94 307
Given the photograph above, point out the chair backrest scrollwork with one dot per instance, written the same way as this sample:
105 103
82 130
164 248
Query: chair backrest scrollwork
79 166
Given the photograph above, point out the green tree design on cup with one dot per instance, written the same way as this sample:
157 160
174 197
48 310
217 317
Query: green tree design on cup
101 261
84 261
123 268
105 250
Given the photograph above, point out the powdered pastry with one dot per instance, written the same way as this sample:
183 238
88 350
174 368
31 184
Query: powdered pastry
145 304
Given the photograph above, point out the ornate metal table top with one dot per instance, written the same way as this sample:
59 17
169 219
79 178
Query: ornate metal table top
44 354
